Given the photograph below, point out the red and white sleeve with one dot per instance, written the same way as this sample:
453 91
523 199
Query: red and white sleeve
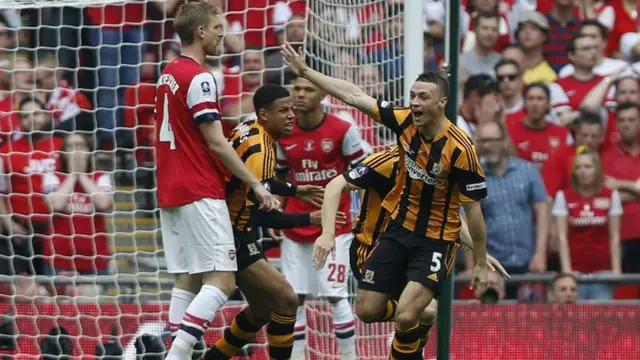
201 99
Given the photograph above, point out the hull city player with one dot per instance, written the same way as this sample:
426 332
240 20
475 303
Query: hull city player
376 175
192 155
438 173
271 298
320 148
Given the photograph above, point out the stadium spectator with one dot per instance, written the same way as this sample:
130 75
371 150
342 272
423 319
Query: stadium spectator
557 171
568 92
473 12
292 32
515 53
532 33
7 43
481 59
237 98
620 17
605 65
518 195
563 25
62 100
79 198
24 162
563 289
23 80
627 89
535 138
587 218
622 172
480 103
509 79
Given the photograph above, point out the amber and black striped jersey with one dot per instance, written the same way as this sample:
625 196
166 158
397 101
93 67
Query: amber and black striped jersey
257 149
434 176
377 176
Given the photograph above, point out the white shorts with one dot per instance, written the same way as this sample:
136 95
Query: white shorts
198 237
297 266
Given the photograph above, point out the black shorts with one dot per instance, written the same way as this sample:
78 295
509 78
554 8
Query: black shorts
248 251
401 256
358 254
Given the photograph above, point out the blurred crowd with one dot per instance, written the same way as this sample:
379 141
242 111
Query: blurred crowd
549 91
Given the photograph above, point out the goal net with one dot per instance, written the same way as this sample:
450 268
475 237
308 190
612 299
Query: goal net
89 68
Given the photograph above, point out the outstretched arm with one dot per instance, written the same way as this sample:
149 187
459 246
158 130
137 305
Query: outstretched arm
340 89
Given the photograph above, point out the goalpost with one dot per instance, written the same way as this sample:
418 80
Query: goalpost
362 41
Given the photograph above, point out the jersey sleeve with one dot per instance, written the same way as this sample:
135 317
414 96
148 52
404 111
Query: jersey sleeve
560 205
616 204
360 177
50 183
201 99
559 99
352 146
394 119
282 165
469 176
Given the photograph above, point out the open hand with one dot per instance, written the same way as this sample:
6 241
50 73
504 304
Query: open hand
294 59
313 194
267 201
480 278
324 245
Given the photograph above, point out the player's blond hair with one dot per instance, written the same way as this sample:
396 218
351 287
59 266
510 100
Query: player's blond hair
191 16
597 164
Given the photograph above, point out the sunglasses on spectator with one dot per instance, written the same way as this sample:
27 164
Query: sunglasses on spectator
511 77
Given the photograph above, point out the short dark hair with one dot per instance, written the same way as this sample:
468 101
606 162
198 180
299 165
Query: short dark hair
589 118
267 94
571 44
505 62
191 16
604 32
436 78
562 275
537 85
486 15
626 106
482 83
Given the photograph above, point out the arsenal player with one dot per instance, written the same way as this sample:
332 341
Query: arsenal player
192 154
568 92
535 138
320 148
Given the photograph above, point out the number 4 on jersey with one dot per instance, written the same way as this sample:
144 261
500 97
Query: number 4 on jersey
166 134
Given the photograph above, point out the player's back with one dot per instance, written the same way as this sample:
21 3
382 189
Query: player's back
187 170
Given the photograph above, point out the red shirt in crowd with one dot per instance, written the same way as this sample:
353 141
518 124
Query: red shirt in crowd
568 92
611 134
622 165
79 241
120 16
187 170
613 14
588 230
536 145
65 103
314 157
23 165
139 116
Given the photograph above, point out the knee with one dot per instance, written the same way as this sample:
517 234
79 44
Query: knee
406 318
368 311
225 281
286 301
429 314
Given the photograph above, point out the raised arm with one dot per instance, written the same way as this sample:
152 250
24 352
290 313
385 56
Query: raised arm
340 89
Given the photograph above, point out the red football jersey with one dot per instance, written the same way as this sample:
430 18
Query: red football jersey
79 240
314 157
23 165
621 164
187 169
536 145
568 92
588 220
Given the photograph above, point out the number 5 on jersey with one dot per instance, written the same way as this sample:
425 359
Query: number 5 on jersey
166 134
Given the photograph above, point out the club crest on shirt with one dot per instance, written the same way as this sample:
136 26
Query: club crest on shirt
358 171
385 104
308 145
601 203
206 88
437 169
232 254
326 145
554 142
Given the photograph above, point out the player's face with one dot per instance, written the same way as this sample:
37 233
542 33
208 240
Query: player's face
628 123
33 117
536 104
306 95
280 117
628 90
427 102
212 36
589 135
585 169
565 291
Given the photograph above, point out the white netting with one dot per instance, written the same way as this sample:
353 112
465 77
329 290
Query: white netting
93 66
